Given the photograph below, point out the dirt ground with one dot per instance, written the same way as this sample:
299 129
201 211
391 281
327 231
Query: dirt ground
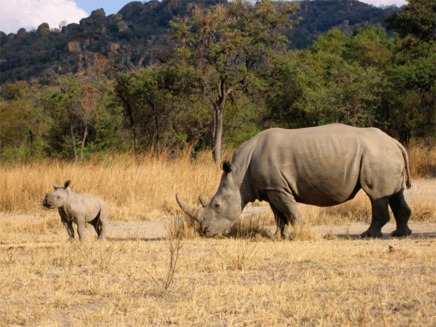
156 230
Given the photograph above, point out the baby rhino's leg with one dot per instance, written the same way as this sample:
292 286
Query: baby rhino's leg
81 228
68 225
100 223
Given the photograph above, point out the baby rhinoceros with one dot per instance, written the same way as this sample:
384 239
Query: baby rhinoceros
79 208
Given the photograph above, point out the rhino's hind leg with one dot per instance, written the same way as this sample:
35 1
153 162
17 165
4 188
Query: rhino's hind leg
380 216
99 224
401 213
81 229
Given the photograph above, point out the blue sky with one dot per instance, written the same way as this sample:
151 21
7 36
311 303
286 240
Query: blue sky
109 6
29 14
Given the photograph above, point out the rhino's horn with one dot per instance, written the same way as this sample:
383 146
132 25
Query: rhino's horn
203 200
189 210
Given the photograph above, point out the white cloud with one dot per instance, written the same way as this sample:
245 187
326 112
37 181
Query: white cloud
378 3
15 14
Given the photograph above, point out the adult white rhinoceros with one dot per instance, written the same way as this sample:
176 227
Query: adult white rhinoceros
321 166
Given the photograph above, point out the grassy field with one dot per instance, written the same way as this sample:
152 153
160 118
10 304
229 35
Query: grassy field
185 280
230 282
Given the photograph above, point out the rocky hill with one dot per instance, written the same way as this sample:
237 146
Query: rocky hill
135 36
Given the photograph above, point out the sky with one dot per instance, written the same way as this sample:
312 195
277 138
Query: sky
29 14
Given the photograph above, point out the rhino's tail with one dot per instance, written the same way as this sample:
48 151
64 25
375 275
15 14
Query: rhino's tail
406 162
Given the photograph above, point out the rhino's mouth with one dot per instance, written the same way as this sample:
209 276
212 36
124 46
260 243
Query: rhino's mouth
47 204
210 230
205 231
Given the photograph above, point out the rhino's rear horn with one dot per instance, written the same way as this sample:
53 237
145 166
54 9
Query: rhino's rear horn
189 210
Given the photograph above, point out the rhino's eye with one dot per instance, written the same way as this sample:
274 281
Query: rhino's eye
58 197
217 205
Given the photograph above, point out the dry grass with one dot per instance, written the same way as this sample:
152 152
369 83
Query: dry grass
145 190
134 191
242 279
228 282
422 159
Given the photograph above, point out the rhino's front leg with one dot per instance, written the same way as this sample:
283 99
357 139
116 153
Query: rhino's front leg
285 211
70 230
67 223
281 223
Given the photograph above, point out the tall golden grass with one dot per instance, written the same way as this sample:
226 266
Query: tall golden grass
144 188
134 189
422 159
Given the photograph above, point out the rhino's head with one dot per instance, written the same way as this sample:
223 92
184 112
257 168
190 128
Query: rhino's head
57 198
222 211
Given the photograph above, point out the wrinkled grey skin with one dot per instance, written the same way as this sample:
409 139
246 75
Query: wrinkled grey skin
78 208
322 166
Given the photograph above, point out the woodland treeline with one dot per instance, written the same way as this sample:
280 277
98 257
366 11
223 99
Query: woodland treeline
229 73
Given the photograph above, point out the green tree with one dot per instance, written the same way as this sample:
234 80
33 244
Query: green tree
228 45
417 19
410 102
155 99
80 106
23 123
370 46
127 93
335 80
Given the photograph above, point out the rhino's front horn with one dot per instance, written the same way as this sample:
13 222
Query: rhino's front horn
189 210
203 200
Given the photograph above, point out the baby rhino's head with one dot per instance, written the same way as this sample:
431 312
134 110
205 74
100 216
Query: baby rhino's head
57 198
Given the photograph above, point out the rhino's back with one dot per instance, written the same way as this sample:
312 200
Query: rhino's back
319 165
85 205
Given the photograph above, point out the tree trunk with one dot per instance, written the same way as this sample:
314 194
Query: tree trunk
85 135
74 142
218 106
218 131
129 114
133 128
156 134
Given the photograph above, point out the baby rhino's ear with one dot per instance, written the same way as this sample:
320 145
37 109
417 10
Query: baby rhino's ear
67 183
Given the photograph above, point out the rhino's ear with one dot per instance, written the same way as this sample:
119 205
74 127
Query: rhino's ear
226 166
67 183
55 186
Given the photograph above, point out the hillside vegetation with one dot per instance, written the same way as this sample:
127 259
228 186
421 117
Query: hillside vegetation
135 36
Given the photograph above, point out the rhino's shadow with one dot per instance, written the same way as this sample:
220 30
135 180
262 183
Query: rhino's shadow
386 236
142 239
